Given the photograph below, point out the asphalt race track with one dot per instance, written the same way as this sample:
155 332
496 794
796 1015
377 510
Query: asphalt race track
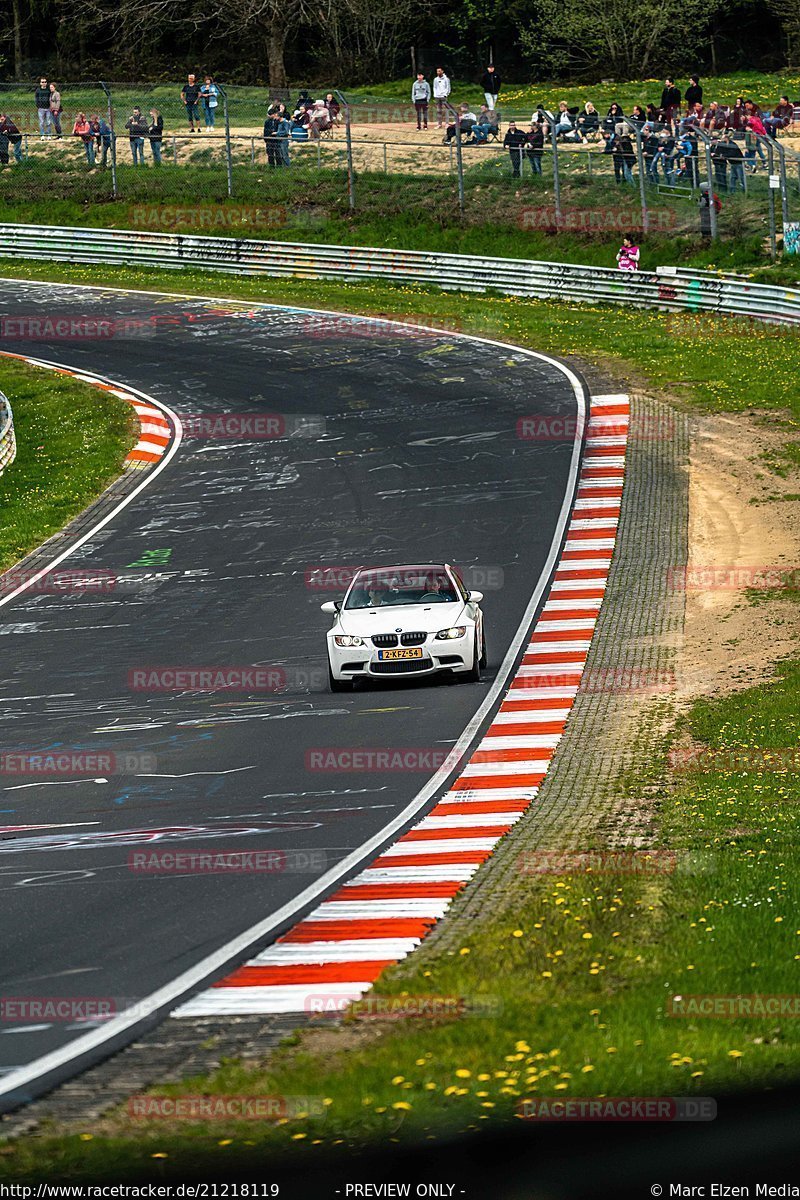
405 449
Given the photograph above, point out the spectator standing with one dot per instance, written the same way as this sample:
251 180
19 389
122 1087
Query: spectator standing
707 198
190 95
55 109
137 131
421 95
83 129
9 135
670 102
103 137
719 157
627 154
271 142
535 146
628 254
156 135
752 146
491 84
737 115
688 147
42 100
441 90
694 93
651 147
514 142
735 163
209 94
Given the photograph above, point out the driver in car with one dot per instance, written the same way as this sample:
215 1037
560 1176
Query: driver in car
440 588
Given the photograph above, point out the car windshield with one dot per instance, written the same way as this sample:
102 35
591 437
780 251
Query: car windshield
382 589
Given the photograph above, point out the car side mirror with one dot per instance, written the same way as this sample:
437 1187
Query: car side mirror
475 597
331 606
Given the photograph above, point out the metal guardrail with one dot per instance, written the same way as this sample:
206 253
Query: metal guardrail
8 442
668 288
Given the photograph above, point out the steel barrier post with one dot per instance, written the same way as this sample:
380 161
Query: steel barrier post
351 176
110 111
228 154
556 176
773 245
640 161
459 156
712 211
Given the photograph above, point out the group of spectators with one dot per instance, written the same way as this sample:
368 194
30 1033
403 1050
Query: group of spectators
422 93
308 120
669 134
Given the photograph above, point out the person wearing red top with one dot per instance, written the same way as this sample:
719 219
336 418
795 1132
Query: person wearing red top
83 129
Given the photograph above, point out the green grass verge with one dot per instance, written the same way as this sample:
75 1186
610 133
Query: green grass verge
577 986
71 443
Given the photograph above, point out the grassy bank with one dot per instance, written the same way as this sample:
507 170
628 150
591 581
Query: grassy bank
71 442
503 216
582 990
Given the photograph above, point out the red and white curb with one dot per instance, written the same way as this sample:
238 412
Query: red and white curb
155 432
335 954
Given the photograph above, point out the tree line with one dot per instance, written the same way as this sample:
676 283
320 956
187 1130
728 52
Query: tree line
358 41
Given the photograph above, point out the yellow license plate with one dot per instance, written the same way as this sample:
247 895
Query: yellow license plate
389 655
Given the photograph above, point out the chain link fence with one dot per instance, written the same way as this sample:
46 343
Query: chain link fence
212 165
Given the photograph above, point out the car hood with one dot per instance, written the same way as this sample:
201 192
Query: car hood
408 618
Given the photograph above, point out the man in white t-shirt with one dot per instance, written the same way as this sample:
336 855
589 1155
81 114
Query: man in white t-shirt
441 90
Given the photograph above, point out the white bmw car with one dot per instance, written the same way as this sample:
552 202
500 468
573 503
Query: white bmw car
402 622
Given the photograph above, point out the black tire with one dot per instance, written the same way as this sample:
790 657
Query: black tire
484 655
338 685
474 675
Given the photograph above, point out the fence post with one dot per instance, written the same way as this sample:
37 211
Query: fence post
228 155
642 186
351 175
459 157
110 111
556 176
773 246
784 183
712 211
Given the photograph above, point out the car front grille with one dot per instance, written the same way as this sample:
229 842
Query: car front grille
412 639
385 639
403 667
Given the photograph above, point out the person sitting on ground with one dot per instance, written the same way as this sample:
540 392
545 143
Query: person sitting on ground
653 115
638 115
304 102
565 123
613 118
782 116
588 122
737 115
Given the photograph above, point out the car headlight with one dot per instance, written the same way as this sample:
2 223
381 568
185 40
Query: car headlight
446 635
348 639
